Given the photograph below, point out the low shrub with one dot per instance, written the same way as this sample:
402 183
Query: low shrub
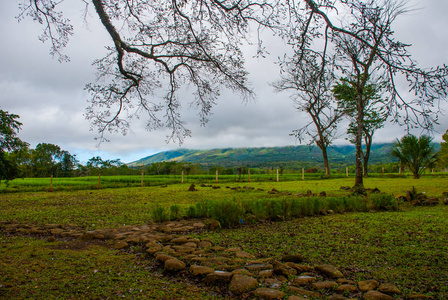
384 202
159 214
175 212
228 213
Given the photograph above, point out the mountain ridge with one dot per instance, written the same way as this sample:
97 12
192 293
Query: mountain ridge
303 155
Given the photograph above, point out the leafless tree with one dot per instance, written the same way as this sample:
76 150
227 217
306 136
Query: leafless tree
159 45
309 82
366 48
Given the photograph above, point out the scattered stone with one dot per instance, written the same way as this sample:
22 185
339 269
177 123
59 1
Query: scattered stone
259 266
180 240
243 254
297 258
418 296
268 294
56 231
296 298
196 270
120 245
303 292
242 284
218 277
299 268
88 236
266 274
323 285
204 244
368 285
323 194
162 258
346 288
304 280
272 283
51 239
375 295
337 297
329 271
192 188
174 265
389 288
345 281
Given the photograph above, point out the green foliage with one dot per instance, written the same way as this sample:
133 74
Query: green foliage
443 153
175 212
9 128
159 214
384 202
227 212
415 153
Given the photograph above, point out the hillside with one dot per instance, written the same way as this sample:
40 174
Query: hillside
291 156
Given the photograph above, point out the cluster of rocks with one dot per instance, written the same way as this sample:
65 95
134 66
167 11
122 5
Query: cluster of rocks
233 270
421 199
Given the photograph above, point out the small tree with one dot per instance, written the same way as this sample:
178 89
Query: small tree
374 113
9 127
442 160
309 80
415 153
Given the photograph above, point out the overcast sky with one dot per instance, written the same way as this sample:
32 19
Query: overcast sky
50 99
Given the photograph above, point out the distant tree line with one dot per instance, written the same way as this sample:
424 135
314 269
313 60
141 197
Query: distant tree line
17 159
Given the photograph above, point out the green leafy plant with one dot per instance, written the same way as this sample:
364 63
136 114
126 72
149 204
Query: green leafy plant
159 214
175 212
228 213
384 202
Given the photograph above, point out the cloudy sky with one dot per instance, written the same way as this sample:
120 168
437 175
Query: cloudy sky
50 99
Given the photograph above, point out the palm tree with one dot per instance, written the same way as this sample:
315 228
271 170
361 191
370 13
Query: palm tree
415 153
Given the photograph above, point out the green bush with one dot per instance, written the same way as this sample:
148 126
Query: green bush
158 214
384 202
228 213
191 212
174 212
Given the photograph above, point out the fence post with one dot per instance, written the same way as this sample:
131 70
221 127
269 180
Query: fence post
399 170
99 179
182 177
383 170
216 175
277 176
303 173
346 170
248 174
142 179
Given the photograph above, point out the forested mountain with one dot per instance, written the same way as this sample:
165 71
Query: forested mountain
294 157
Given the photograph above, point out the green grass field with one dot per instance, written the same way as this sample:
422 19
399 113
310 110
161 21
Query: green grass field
408 247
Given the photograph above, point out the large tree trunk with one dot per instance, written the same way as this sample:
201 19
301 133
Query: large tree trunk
358 139
368 142
326 163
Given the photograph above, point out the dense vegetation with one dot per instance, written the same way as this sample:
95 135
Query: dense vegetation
406 247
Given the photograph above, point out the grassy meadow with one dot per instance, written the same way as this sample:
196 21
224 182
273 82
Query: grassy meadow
407 247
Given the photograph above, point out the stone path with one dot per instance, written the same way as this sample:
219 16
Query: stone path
238 272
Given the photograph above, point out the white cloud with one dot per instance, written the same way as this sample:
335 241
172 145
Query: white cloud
50 100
